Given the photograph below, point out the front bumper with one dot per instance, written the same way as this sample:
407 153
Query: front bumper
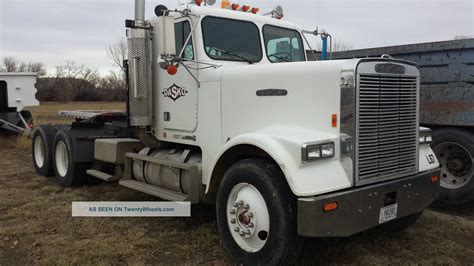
359 208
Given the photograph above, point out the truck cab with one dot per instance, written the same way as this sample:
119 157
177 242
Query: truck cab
224 107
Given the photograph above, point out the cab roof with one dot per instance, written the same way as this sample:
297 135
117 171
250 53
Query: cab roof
235 14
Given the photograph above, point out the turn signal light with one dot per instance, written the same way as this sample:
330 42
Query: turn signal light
434 179
255 10
331 206
234 6
172 69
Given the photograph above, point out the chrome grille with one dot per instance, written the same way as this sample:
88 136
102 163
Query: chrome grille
387 127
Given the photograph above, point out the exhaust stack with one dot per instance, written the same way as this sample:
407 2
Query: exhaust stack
140 10
139 69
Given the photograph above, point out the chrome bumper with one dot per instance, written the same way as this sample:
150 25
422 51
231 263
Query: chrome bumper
359 208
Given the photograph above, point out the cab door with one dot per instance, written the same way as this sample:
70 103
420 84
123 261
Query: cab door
178 94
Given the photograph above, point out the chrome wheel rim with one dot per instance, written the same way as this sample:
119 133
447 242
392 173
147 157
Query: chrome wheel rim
61 158
457 165
247 217
39 152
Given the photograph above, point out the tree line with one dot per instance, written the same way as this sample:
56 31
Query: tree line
76 82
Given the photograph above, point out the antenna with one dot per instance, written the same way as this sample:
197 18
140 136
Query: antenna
317 15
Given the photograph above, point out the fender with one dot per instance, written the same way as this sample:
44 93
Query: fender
284 147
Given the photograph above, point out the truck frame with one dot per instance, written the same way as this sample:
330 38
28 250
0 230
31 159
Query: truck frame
447 106
223 108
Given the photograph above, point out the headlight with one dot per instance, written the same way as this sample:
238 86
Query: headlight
426 136
312 152
347 81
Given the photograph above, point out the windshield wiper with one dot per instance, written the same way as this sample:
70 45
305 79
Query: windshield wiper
280 58
232 54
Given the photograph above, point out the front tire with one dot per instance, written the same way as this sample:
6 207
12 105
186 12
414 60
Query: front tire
256 214
67 172
455 151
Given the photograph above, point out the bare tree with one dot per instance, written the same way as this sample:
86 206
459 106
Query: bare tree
38 68
117 52
11 64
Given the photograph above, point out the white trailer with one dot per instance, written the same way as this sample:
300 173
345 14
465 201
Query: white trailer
17 91
223 107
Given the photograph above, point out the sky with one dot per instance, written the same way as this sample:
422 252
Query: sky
56 31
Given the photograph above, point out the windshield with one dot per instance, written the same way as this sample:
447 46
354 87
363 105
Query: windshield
283 45
231 40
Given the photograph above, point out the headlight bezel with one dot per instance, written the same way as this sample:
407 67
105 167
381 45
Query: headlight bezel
425 136
327 146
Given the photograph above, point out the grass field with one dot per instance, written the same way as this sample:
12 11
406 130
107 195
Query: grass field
36 226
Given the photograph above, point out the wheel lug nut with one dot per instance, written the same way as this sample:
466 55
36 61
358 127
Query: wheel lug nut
242 233
251 225
240 203
250 214
232 220
236 204
236 229
232 211
246 206
247 232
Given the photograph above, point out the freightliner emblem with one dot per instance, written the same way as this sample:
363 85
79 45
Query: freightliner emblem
174 92
272 92
390 69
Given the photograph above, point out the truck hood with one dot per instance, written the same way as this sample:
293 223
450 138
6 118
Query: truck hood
299 94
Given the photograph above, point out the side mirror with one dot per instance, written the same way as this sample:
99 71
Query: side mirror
166 36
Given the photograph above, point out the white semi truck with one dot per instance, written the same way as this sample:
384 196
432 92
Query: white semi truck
223 107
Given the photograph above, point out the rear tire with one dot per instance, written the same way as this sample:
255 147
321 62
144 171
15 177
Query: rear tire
401 224
42 146
455 150
255 198
67 172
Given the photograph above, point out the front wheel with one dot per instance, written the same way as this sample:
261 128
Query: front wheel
256 214
455 151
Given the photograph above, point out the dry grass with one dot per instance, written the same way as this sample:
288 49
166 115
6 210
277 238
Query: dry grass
36 226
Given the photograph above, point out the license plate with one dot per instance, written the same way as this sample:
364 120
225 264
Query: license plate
388 213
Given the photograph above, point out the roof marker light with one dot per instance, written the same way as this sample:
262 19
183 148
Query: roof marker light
234 6
225 4
198 2
255 10
245 8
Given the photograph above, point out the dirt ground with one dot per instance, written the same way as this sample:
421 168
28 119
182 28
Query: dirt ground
36 226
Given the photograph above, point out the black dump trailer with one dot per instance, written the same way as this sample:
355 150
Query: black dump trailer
447 106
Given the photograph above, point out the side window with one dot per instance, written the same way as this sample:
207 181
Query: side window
283 45
182 30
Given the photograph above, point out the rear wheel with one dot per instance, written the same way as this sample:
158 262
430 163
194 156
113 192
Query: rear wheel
67 172
256 214
42 147
455 150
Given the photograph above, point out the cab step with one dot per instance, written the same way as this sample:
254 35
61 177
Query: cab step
153 190
101 175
